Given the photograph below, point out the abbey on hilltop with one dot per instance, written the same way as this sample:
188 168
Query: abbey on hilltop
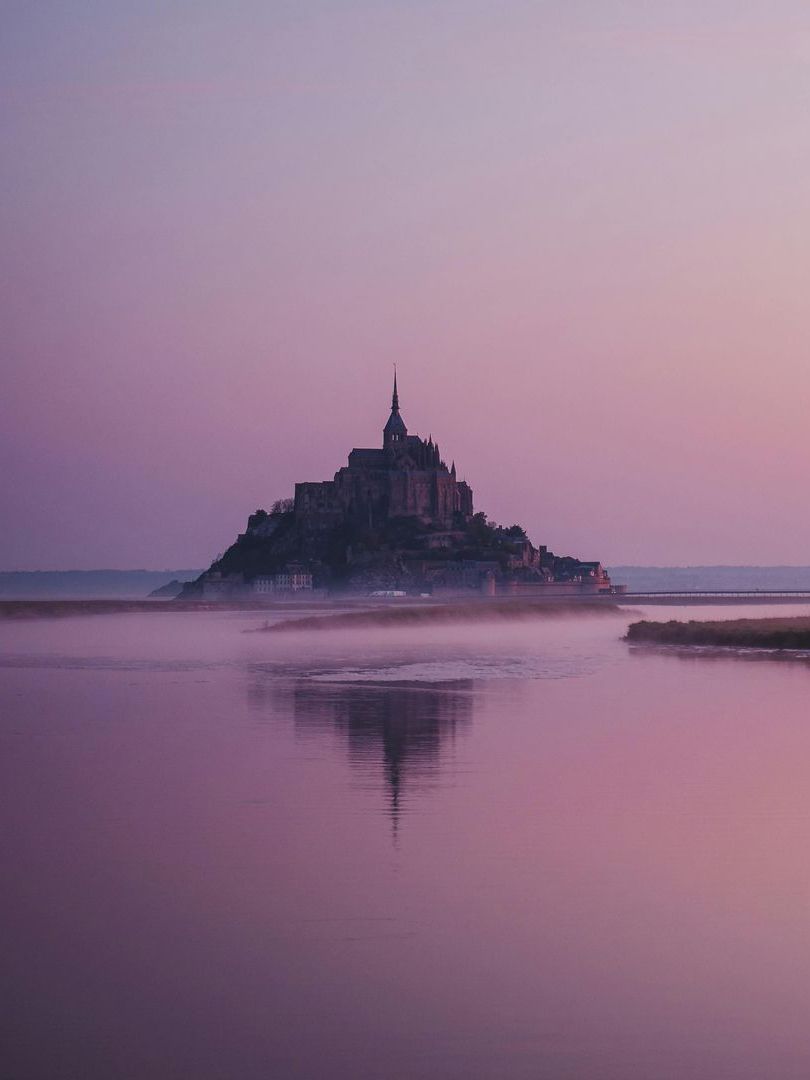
406 477
394 519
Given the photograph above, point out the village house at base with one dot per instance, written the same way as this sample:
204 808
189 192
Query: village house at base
394 519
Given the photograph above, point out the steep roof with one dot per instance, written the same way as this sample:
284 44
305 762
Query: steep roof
395 425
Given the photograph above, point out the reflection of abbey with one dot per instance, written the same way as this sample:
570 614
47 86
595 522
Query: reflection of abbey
405 478
401 727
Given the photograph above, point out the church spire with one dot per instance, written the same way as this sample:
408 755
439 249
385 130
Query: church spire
395 430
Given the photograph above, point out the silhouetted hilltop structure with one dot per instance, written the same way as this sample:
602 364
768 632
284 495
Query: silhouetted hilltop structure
393 519
406 478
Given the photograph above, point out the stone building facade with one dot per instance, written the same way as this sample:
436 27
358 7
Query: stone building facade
291 579
406 477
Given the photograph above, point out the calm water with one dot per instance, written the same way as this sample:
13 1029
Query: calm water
520 850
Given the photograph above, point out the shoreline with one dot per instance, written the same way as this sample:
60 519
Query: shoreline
57 607
315 609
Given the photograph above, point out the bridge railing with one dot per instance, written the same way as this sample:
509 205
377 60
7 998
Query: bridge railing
719 594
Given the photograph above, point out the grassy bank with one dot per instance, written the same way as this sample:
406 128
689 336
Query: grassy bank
774 633
432 614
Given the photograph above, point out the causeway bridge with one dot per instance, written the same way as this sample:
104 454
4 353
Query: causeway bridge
737 596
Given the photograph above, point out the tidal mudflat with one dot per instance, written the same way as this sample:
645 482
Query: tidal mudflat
516 848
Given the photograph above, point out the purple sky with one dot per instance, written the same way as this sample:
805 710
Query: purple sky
580 229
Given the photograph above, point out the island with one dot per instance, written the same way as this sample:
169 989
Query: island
396 520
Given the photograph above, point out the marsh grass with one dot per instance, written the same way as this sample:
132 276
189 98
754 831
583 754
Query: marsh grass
770 633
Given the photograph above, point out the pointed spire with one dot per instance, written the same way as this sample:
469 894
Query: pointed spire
395 430
453 469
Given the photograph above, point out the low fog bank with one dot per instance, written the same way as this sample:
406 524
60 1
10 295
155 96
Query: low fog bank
483 611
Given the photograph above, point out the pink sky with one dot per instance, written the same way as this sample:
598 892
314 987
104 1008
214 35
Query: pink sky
578 228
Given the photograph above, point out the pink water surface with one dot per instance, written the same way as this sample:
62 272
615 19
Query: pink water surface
523 850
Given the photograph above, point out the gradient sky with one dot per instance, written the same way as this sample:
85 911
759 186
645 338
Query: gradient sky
579 228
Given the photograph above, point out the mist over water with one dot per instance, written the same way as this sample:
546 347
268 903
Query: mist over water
471 850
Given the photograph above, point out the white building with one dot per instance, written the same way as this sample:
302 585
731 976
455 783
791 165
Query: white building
291 579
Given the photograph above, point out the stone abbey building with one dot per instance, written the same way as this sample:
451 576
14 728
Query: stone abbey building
406 477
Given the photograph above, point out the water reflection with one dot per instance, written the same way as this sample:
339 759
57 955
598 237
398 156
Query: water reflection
696 653
399 727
